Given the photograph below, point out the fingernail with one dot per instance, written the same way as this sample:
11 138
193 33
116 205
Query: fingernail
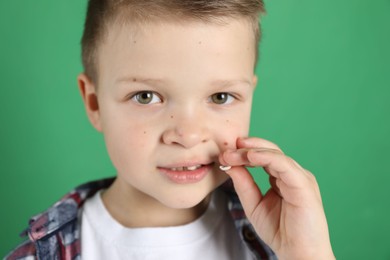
243 139
230 151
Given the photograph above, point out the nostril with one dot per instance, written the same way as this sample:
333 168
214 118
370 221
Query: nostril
186 134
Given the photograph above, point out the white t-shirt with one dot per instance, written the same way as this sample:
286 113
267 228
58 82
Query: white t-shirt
212 236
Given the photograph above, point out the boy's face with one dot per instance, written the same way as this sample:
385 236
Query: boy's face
171 97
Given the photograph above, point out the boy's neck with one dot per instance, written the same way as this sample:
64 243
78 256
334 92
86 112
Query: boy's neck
137 210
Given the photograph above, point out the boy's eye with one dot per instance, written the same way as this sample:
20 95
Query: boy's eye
221 98
146 97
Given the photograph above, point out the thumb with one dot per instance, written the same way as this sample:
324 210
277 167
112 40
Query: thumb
246 188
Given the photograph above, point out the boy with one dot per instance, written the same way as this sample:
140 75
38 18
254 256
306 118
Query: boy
170 85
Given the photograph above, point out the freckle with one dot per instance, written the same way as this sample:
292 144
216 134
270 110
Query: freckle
227 121
171 116
134 79
134 41
200 42
144 132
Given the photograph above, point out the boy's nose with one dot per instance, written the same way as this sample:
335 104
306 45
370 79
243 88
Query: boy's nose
186 133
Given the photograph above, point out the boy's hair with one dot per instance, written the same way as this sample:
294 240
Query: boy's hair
104 13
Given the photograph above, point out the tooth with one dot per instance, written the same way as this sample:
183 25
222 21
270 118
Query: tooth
186 168
225 168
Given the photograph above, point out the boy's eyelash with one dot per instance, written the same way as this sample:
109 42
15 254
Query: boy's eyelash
136 95
133 95
230 97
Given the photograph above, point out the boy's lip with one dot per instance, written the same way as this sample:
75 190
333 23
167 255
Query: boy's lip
186 173
187 164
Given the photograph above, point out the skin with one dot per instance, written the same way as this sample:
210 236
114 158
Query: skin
180 70
290 216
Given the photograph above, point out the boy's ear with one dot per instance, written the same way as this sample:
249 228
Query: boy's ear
89 94
254 81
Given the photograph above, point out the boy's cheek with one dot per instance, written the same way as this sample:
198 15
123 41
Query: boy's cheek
228 135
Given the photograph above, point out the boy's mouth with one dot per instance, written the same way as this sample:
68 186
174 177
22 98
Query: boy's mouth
186 168
186 174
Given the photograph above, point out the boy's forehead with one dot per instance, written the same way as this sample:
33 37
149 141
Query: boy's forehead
129 43
130 31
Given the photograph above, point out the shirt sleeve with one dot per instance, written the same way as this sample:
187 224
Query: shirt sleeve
25 251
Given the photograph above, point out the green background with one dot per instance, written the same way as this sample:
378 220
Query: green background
323 96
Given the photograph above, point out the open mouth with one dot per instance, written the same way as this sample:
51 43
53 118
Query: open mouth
186 168
187 174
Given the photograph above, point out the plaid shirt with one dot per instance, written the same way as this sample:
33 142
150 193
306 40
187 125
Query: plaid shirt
55 234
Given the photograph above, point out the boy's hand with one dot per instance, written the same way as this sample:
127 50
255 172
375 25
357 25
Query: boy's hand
290 217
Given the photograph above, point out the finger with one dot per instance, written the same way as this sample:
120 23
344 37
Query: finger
234 157
273 161
255 142
246 188
293 183
279 166
240 157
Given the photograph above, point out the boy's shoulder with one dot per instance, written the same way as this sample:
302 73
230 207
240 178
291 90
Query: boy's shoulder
65 210
55 230
55 233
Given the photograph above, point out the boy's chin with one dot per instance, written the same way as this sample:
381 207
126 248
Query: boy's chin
196 197
187 202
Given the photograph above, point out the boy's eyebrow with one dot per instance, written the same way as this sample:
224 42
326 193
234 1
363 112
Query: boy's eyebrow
139 79
233 82
219 82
